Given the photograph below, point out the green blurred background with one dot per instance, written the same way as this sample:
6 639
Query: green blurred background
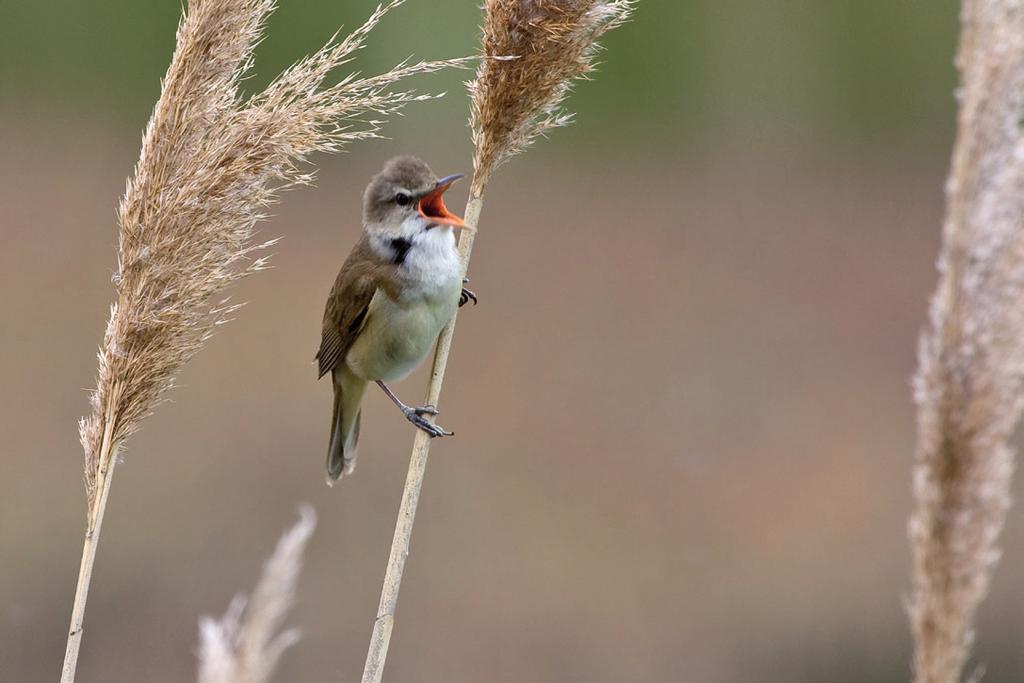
682 405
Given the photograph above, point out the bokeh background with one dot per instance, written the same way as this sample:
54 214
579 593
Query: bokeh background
682 405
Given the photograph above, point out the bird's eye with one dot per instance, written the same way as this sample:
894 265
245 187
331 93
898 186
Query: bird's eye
402 199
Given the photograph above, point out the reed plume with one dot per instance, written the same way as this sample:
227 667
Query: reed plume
245 645
533 51
971 355
515 101
211 163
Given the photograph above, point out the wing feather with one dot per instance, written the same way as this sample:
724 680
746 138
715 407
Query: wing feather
345 311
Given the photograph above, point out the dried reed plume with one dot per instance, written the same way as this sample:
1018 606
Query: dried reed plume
552 43
515 101
211 164
971 357
245 645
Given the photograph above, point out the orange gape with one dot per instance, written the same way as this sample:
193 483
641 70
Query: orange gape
432 206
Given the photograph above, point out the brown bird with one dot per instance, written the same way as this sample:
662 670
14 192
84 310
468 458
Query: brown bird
397 289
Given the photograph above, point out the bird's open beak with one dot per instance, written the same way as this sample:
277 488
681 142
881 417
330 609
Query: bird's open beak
432 206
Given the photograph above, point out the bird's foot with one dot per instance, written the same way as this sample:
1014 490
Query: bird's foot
415 415
466 297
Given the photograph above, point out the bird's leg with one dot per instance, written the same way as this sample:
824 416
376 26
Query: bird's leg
466 295
415 415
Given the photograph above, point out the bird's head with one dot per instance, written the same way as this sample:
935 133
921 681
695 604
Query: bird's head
406 198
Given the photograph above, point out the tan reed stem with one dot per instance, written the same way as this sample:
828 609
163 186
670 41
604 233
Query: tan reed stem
534 50
94 523
381 636
92 538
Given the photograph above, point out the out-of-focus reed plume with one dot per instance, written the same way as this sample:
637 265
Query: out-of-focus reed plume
245 645
211 163
971 356
534 50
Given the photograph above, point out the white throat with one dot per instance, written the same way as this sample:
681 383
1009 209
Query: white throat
426 257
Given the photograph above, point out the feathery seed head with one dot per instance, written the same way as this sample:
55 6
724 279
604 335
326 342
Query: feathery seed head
552 43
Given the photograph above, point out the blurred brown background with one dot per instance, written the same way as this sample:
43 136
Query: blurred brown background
682 405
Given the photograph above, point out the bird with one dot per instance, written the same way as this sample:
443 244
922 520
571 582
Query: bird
398 288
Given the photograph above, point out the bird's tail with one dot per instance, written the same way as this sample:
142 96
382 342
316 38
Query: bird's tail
341 452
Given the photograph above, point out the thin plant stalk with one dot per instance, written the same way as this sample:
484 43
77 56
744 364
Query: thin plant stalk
534 50
92 537
383 625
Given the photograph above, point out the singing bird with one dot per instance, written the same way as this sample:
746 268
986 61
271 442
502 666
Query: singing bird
397 289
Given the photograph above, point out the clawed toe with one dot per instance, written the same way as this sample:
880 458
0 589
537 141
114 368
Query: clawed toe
429 427
415 415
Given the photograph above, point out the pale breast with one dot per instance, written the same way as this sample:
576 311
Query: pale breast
397 335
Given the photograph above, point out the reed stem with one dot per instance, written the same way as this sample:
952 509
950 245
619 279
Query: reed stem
92 538
381 637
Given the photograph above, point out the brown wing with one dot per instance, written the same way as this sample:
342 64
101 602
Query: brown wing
346 306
